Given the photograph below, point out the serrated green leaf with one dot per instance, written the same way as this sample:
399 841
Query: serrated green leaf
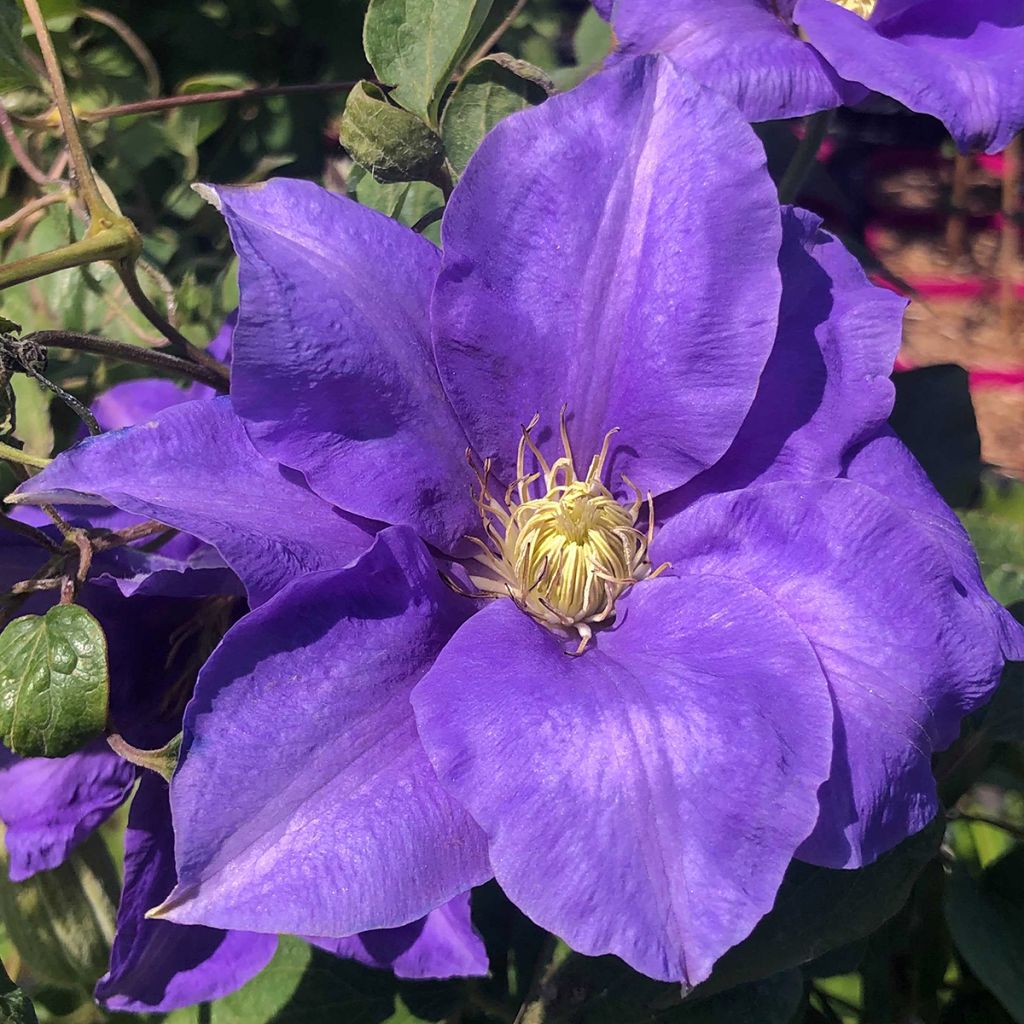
14 72
389 142
416 45
491 89
53 682
986 920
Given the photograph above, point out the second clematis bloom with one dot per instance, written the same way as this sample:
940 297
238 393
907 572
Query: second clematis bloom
959 62
687 611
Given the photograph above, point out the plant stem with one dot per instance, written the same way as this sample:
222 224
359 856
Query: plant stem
112 243
99 211
124 32
32 206
75 342
802 162
24 459
164 103
178 342
486 46
956 226
18 151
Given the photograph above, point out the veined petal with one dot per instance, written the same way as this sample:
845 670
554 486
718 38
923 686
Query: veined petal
444 944
333 372
743 49
613 250
49 805
959 62
193 468
156 966
329 818
827 384
645 798
908 644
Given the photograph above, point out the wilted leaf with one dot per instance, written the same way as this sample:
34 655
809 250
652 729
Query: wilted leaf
490 90
388 141
986 919
53 682
14 72
415 45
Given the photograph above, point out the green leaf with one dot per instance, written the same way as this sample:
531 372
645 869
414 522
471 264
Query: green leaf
986 919
996 526
820 909
15 1006
303 985
388 141
33 412
14 72
53 682
407 202
62 921
492 89
416 45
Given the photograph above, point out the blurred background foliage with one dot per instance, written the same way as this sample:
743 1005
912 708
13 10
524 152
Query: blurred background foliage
933 933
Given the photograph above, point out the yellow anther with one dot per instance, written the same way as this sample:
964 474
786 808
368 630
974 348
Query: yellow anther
568 553
862 8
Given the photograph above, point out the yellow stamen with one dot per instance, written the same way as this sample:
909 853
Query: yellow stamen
862 8
566 555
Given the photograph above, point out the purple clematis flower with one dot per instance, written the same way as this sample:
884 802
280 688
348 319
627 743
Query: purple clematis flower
151 607
959 62
633 720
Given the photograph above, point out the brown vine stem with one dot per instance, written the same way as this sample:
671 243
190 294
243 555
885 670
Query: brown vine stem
487 45
32 206
124 32
956 226
18 151
165 103
93 343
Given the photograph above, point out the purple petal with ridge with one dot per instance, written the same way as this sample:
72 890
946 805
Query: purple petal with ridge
193 467
615 250
329 820
909 646
157 966
645 798
960 62
333 372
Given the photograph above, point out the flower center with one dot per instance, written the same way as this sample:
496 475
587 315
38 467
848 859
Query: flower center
862 8
566 553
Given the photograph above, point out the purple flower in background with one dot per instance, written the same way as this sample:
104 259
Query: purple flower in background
960 62
621 319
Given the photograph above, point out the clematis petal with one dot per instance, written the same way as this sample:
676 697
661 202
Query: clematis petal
330 820
193 467
444 944
908 646
885 464
745 50
605 251
49 805
645 798
156 966
827 383
958 62
333 373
